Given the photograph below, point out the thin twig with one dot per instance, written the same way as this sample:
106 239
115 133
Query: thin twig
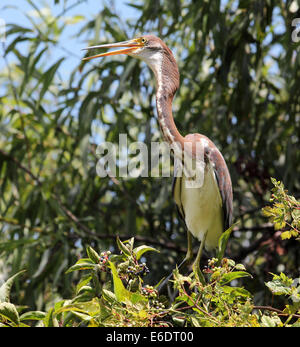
270 308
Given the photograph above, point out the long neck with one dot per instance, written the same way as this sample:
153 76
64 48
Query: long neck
167 79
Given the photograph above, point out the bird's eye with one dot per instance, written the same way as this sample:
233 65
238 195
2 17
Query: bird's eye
144 40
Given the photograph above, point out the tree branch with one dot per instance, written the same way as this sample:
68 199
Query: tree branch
270 308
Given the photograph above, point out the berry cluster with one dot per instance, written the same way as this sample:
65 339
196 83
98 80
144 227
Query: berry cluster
149 291
153 295
157 305
103 260
138 270
210 266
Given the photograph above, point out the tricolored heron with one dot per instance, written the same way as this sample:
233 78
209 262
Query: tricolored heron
206 209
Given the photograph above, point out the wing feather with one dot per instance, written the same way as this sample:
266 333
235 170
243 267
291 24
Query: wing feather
224 183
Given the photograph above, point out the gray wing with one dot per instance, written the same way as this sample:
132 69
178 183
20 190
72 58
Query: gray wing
224 183
176 192
223 180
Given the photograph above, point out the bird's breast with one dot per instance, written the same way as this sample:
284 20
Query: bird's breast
201 207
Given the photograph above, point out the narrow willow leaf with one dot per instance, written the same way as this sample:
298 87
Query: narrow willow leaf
43 263
48 77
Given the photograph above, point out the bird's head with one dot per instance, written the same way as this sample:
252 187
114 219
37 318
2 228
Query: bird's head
149 48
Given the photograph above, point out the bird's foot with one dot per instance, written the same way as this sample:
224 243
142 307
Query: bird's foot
186 261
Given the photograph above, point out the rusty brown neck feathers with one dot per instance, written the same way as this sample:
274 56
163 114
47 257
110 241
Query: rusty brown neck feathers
167 80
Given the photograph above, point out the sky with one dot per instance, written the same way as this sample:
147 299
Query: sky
13 11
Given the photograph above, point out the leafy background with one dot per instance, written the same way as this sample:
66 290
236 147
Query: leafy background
239 86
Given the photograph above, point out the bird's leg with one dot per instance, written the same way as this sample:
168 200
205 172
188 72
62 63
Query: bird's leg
189 254
196 265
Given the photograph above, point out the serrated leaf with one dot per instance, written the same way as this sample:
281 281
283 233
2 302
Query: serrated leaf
278 288
270 322
286 235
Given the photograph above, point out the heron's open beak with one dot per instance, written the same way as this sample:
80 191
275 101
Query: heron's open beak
129 46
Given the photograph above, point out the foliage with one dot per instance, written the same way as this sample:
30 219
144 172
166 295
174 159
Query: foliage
239 86
285 211
112 293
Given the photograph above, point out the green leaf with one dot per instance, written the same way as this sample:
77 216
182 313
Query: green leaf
195 322
237 291
137 297
9 311
228 277
139 251
50 319
286 235
48 77
280 285
87 264
122 294
33 315
89 307
6 287
109 296
43 263
129 243
83 282
270 322
223 243
122 247
93 255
